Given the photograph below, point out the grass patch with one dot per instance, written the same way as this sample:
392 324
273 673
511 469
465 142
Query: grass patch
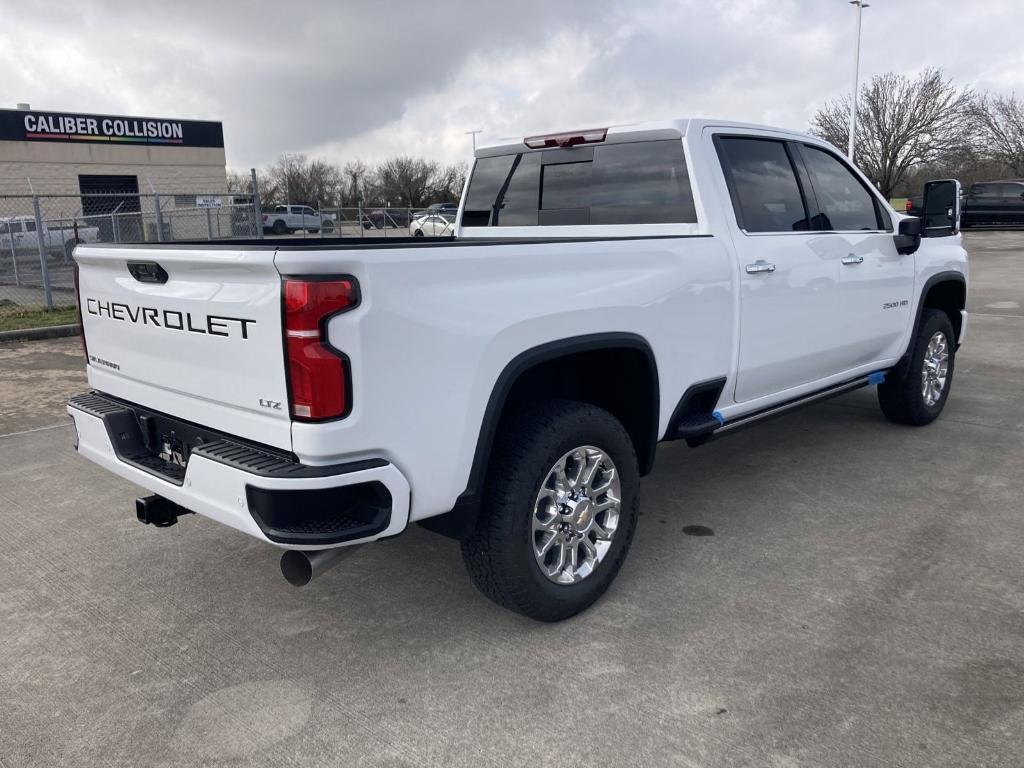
17 319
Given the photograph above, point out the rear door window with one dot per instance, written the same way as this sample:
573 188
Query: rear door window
633 183
763 185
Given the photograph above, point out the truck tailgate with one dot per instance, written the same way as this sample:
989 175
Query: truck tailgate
190 332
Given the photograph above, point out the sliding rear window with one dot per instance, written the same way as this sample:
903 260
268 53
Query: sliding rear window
635 183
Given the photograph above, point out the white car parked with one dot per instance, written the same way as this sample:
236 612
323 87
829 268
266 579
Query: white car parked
607 290
432 225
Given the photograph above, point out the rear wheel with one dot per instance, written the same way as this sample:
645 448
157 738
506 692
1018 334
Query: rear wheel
418 233
918 397
559 510
279 228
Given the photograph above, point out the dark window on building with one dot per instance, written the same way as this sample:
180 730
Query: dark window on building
112 204
844 202
634 183
763 185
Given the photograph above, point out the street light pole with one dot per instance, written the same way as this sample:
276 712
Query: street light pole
473 134
860 5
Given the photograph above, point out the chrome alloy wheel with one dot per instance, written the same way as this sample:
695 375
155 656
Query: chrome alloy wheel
576 514
935 368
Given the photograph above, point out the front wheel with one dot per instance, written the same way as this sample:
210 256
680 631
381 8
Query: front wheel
918 397
559 510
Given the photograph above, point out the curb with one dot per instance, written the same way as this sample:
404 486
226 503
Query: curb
34 334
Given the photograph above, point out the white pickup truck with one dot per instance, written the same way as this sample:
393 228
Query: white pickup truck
286 219
607 290
18 233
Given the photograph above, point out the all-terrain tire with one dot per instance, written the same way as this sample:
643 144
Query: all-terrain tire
499 554
902 398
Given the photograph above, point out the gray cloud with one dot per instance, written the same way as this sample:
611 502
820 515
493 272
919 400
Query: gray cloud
348 79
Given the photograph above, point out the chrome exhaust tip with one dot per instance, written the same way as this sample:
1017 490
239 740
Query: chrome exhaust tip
299 567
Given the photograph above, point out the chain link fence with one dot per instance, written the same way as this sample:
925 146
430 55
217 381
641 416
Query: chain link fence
38 234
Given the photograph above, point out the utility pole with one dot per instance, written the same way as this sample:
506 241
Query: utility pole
473 134
860 5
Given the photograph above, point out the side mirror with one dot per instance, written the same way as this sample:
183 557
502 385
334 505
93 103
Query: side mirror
908 236
941 208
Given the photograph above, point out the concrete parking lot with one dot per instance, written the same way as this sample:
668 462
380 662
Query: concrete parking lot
860 603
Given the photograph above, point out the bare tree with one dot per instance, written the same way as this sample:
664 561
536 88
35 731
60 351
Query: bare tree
238 182
355 174
1002 123
902 124
407 180
297 180
449 183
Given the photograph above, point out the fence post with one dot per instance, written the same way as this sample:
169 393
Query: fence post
256 206
14 258
159 218
209 225
43 266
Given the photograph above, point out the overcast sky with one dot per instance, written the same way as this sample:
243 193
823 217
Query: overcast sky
343 80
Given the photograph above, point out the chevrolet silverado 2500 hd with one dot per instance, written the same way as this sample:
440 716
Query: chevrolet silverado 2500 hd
607 290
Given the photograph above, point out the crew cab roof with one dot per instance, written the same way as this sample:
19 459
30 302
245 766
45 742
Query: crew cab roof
642 131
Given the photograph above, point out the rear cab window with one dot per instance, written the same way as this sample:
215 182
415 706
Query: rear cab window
636 182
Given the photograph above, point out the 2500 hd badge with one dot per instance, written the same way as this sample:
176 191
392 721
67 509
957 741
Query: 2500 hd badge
171 319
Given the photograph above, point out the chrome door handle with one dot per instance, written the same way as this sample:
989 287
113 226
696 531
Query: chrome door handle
851 259
760 266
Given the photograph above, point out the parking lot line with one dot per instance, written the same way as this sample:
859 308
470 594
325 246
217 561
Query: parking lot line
37 429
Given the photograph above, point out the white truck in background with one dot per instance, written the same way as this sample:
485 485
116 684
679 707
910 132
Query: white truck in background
607 290
18 233
286 219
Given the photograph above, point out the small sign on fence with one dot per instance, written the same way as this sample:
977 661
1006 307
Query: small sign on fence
209 201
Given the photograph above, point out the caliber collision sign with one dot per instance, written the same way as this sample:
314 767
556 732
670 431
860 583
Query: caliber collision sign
33 125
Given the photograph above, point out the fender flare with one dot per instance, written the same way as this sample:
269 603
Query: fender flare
949 276
462 517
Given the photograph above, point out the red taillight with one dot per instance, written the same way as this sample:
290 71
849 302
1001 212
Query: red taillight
318 379
78 310
909 205
570 139
264 218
